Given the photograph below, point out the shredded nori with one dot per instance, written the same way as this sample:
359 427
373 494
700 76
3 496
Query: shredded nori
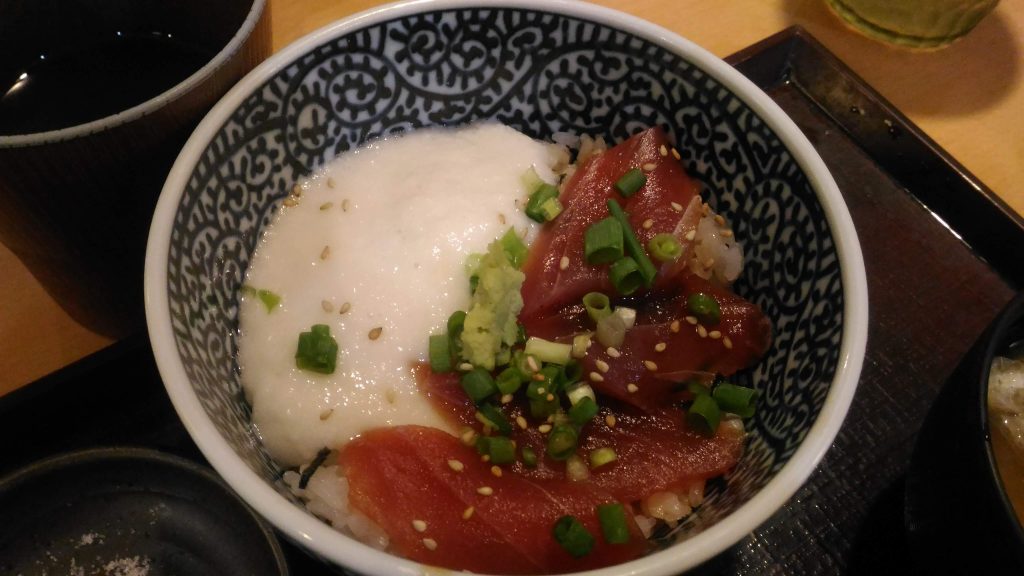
313 466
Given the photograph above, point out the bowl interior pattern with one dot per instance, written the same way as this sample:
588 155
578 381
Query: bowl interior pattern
541 73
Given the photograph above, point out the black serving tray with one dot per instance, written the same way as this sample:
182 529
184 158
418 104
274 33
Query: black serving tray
925 225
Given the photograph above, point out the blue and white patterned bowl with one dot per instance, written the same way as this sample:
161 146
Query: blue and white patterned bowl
540 66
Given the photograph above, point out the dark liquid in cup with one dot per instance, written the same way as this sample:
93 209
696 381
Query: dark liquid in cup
95 80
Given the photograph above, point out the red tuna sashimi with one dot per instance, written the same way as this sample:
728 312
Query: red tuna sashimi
402 474
655 451
741 337
662 200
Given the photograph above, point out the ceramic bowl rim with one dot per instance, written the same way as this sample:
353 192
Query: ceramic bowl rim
256 8
320 538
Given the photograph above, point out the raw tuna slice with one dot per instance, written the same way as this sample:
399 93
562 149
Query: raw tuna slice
464 517
656 451
550 285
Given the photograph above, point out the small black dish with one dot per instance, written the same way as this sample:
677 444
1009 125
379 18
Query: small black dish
957 516
129 511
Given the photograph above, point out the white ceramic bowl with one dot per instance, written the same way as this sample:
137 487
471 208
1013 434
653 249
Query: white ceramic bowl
541 66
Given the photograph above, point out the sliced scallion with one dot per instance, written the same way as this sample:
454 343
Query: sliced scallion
628 315
551 208
665 248
625 275
494 418
704 307
440 353
509 380
632 245
613 523
630 182
547 351
573 536
562 442
534 206
514 248
499 448
602 456
598 305
478 385
738 400
578 392
317 350
583 411
580 344
576 469
603 241
704 415
529 457
611 331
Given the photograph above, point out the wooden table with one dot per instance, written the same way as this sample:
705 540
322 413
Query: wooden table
968 97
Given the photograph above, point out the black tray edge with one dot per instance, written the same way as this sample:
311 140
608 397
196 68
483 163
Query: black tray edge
957 198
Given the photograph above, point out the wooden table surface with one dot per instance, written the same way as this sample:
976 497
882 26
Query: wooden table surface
968 97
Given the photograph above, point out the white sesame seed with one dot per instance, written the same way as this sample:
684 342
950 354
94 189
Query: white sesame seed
663 150
486 457
468 437
614 353
709 263
290 201
610 420
596 377
419 525
326 414
325 253
632 388
677 206
375 333
326 206
501 218
649 167
468 512
650 365
705 208
521 422
532 363
465 366
327 306
544 428
719 220
496 470
430 543
550 397
540 390
675 154
485 490
691 235
648 223
715 334
390 395
727 342
506 398
727 233
456 465
702 331
674 326
602 365
563 264
330 182
344 205
297 190
345 307
538 377
691 320
660 347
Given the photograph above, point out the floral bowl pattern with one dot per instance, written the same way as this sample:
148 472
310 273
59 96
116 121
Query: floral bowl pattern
542 68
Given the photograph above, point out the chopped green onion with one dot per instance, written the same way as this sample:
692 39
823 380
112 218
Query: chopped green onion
534 206
514 248
603 241
580 344
611 331
455 325
625 275
543 408
630 182
704 415
694 387
602 456
520 333
440 353
613 523
628 315
665 248
704 307
573 536
474 281
478 385
531 181
529 457
317 350
562 442
570 373
578 392
552 378
499 448
598 305
739 400
494 418
269 299
576 469
551 208
632 245
509 380
547 351
582 411
521 361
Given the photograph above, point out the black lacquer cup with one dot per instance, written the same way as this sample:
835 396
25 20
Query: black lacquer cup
97 98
